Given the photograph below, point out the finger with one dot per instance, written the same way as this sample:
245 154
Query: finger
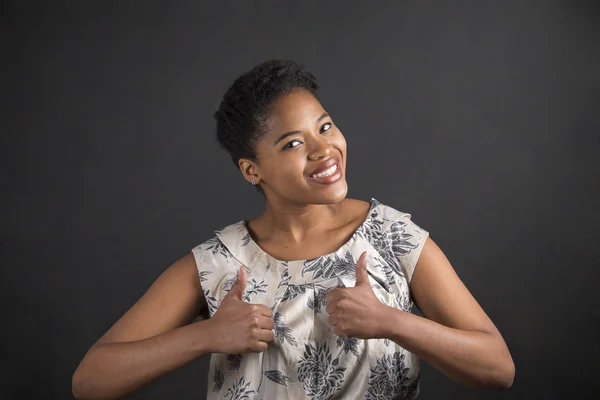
333 321
333 295
237 290
263 310
264 335
259 347
266 323
362 277
331 306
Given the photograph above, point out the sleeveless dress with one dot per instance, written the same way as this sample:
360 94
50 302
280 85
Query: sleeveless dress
306 360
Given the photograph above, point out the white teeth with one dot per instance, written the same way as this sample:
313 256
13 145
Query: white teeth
328 172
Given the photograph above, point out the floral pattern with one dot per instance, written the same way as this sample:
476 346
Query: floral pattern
218 380
211 301
278 377
320 376
390 379
215 246
329 267
202 275
306 359
283 332
348 345
319 301
240 390
293 291
392 243
235 360
253 287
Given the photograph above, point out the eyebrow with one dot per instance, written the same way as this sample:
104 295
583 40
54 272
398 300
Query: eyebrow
280 138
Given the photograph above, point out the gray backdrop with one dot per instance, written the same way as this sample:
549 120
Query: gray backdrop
480 118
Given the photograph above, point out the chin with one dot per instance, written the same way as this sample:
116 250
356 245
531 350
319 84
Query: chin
331 195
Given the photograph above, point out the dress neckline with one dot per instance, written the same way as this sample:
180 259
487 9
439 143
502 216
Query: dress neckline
246 233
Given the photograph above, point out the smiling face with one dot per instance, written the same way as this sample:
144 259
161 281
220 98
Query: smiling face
302 157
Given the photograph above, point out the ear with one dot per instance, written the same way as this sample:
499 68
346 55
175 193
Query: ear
249 169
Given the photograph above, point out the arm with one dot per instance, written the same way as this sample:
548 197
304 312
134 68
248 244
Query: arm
150 339
456 337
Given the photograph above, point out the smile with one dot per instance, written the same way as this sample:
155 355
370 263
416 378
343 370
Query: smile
328 172
330 175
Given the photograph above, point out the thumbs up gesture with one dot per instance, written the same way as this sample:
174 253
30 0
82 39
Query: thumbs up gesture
356 311
240 327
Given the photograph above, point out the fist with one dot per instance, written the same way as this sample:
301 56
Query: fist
356 312
240 327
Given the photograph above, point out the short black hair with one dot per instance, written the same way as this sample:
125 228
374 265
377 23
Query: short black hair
244 110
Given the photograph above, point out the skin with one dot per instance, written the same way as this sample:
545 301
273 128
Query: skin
156 335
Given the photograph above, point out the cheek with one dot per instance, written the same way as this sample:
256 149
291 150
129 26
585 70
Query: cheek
287 169
340 143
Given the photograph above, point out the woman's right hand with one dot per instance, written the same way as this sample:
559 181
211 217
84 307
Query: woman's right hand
241 327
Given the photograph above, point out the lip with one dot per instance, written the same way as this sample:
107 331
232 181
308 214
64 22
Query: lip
325 166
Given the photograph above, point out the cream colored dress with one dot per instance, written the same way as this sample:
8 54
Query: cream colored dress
306 360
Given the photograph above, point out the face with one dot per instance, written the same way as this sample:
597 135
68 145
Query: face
302 157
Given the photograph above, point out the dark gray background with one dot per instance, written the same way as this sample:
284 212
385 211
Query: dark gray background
480 118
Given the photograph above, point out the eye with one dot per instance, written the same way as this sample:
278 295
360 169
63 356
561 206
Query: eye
326 126
290 144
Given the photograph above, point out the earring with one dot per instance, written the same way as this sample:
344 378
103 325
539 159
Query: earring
253 182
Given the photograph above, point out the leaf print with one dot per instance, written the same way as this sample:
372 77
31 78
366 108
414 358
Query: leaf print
399 239
240 390
404 301
387 342
278 377
319 301
388 271
235 360
373 225
202 274
330 267
211 301
254 288
317 266
219 380
214 245
389 379
246 239
320 376
285 278
412 388
394 243
293 291
348 345
344 266
282 331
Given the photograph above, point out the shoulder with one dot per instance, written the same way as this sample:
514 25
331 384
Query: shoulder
390 228
218 242
229 247
397 239
385 217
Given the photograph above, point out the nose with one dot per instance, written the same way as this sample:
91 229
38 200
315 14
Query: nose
321 148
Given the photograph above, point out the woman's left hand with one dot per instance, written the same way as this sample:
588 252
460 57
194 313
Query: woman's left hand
356 311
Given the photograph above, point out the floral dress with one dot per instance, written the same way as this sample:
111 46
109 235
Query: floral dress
306 360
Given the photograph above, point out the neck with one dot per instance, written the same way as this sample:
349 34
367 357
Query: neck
296 222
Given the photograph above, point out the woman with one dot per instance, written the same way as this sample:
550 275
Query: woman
312 298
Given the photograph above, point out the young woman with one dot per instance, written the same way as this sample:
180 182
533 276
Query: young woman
312 298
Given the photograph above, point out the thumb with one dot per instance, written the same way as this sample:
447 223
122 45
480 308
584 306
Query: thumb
362 277
237 290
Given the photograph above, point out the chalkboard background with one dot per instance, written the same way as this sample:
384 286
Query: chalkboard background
480 118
